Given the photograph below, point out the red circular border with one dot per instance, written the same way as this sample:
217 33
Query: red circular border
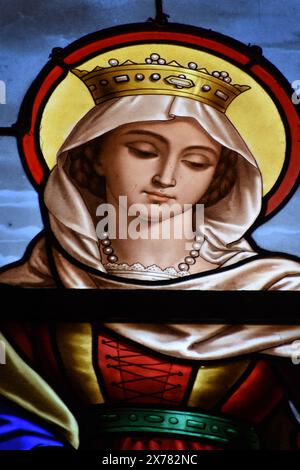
28 141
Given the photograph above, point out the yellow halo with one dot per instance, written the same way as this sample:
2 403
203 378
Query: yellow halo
253 113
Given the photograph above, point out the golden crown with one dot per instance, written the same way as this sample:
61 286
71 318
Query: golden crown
157 77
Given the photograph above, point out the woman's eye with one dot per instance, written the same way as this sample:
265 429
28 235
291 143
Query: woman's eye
142 153
196 165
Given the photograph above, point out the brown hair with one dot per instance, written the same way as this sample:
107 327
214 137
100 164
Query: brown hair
224 178
82 170
81 167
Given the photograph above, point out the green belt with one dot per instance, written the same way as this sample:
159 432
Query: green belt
182 423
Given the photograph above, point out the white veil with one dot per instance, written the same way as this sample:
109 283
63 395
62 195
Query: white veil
225 223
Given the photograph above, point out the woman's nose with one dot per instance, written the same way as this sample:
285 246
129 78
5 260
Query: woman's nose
165 177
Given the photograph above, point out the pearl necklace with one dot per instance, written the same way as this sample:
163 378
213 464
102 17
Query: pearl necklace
184 266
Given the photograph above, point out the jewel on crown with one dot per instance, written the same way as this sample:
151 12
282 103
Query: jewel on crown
157 76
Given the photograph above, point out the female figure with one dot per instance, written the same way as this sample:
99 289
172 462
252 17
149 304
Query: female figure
162 151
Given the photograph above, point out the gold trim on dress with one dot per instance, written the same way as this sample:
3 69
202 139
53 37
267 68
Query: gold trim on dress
213 382
23 386
75 345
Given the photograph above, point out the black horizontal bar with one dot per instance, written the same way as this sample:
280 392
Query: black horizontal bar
238 307
8 131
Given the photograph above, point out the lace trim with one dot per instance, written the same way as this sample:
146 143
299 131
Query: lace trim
138 267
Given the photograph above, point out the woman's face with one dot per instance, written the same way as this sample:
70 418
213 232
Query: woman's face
161 162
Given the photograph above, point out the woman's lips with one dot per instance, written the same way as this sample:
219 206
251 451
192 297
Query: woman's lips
158 197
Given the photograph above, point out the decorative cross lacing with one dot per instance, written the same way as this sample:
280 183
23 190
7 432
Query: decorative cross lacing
132 376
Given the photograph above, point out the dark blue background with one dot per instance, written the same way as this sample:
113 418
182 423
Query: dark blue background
29 29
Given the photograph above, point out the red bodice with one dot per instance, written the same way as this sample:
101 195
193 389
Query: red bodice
131 375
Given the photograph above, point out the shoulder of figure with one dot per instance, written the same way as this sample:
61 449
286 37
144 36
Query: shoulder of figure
32 270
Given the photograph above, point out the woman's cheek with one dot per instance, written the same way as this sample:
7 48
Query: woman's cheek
195 188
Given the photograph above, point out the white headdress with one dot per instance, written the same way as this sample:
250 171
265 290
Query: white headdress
225 223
